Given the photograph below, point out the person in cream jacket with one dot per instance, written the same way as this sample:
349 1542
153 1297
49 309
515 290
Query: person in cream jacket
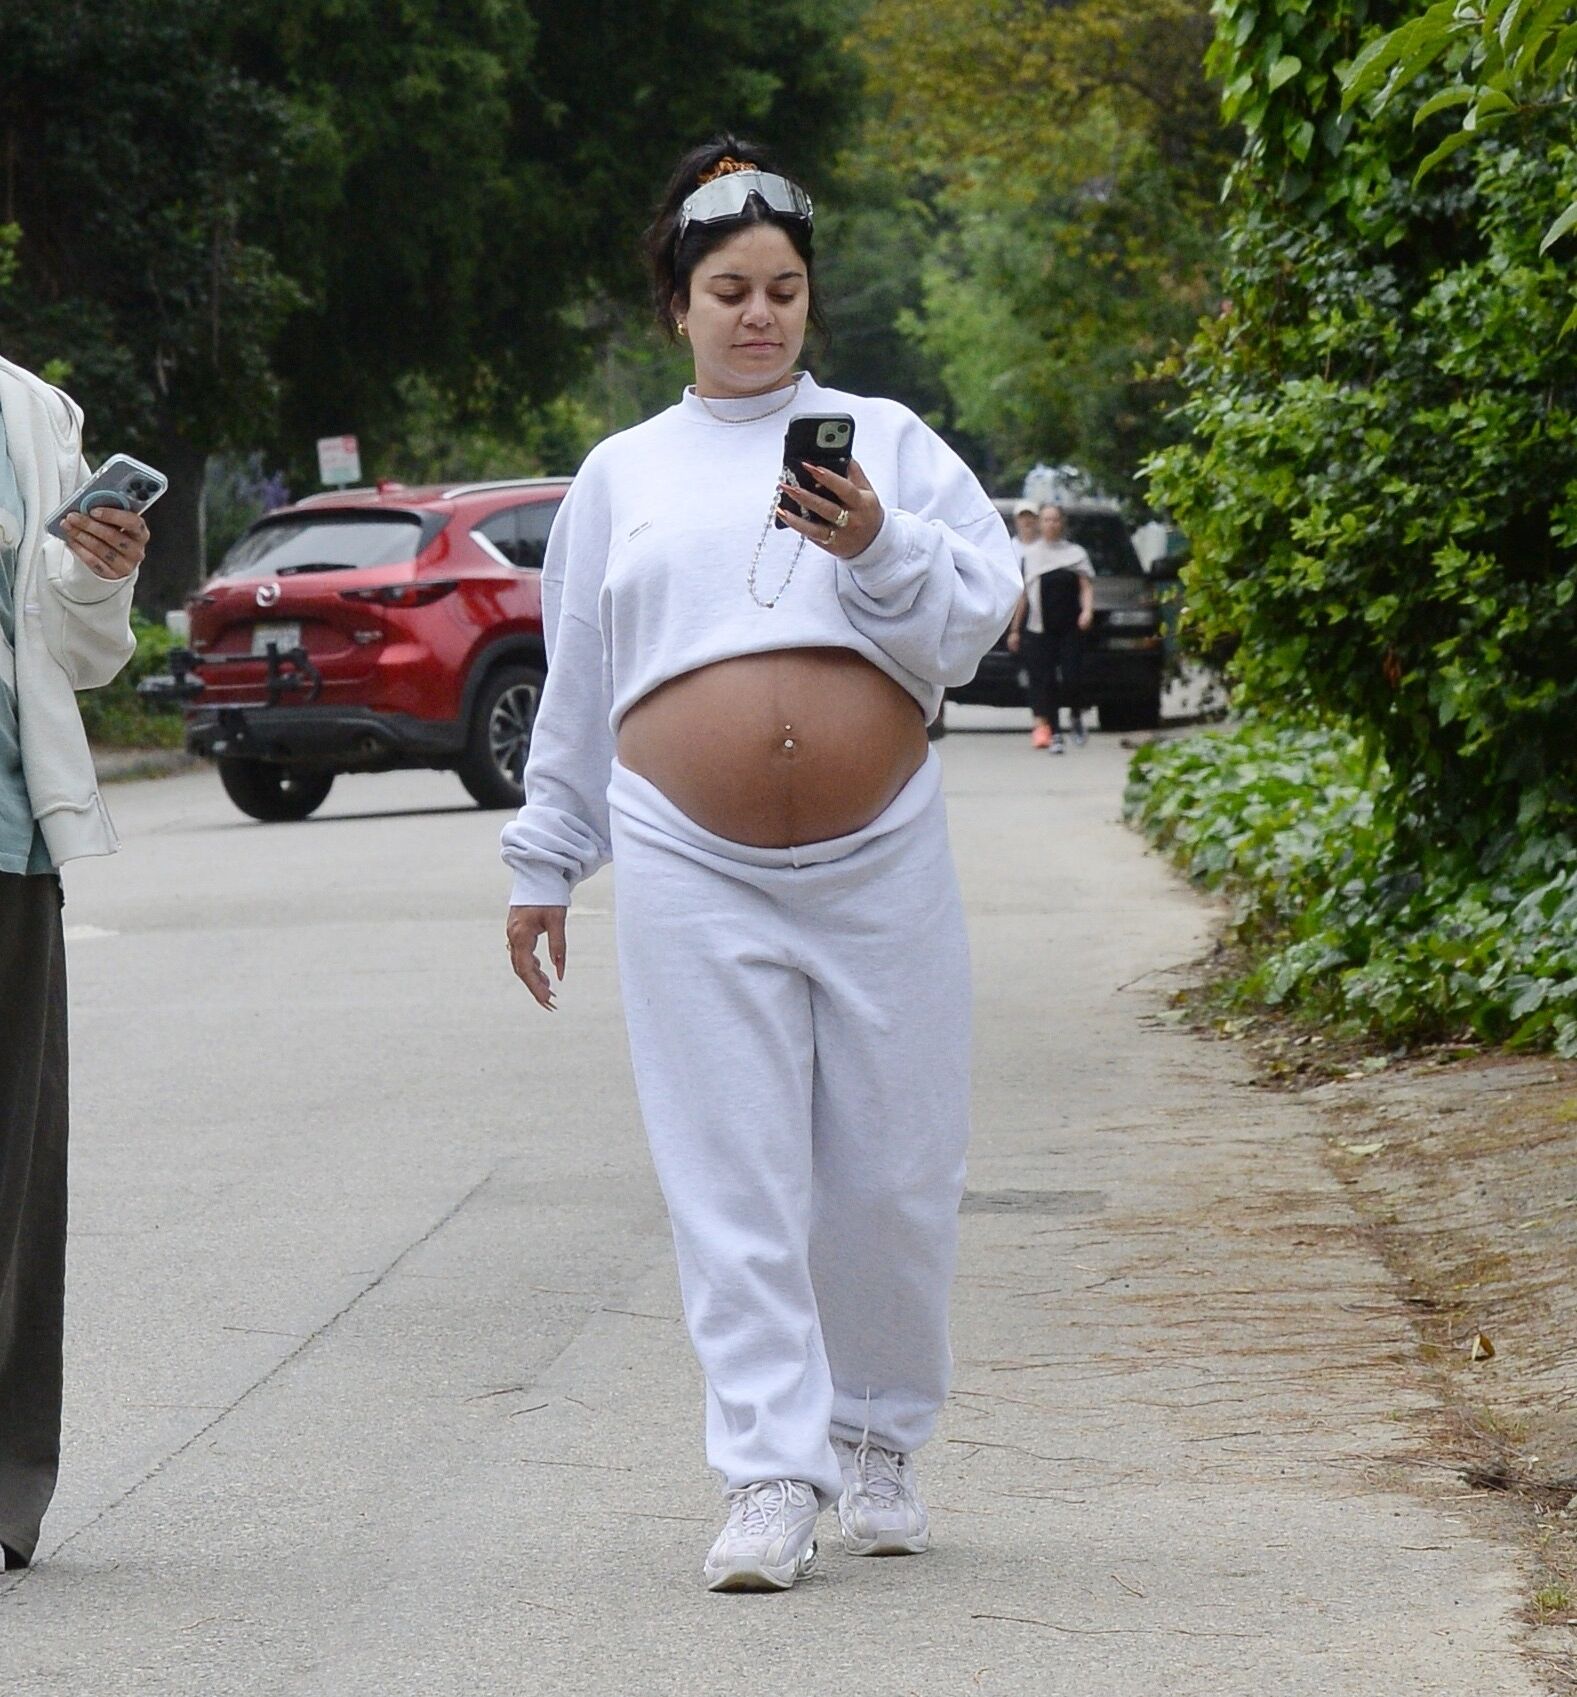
65 625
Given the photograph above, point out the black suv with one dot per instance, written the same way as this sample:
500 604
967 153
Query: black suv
1124 658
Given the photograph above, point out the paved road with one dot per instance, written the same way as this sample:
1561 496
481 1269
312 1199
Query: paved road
376 1378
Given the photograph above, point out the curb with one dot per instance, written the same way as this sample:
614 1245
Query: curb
122 765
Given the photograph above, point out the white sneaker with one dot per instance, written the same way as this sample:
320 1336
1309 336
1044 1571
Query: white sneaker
880 1510
770 1538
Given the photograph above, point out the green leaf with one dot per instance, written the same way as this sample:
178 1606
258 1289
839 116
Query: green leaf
1284 70
1558 229
1491 103
1457 138
1461 94
1539 28
1564 51
1373 65
1300 138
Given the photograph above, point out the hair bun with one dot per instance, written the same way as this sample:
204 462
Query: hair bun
725 167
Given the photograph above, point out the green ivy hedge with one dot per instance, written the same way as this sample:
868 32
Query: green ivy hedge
1339 920
1380 480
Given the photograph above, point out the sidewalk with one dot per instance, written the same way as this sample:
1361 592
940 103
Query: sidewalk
457 1447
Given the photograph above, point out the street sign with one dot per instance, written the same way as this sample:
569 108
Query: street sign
339 460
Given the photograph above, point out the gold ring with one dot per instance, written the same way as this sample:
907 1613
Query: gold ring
841 521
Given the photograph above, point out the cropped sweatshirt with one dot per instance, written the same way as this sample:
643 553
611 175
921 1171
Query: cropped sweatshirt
646 578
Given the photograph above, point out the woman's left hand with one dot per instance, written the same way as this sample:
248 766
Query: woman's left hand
109 541
845 523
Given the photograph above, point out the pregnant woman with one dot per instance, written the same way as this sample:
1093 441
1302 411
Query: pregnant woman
735 714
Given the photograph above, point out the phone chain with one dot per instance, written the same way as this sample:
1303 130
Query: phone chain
761 543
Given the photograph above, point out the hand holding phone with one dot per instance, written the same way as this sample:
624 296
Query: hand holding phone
836 507
824 439
120 482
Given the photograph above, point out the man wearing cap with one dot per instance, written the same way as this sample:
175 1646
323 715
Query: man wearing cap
1026 528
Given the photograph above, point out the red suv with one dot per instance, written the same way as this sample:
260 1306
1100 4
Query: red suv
367 630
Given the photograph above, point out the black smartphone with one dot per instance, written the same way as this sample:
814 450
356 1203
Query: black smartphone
825 439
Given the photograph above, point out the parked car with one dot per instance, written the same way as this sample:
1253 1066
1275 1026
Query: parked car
1123 659
367 630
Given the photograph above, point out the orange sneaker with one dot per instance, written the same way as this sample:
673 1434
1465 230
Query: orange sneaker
1040 737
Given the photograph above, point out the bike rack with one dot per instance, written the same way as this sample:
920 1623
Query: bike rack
289 670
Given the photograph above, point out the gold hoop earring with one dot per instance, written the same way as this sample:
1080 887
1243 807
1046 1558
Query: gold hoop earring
681 328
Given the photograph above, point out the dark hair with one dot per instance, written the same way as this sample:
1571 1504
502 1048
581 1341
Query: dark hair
672 260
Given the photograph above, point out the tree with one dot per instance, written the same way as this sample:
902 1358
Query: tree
138 280
470 188
272 211
1073 154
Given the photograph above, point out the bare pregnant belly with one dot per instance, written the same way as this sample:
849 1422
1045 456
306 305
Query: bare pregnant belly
777 749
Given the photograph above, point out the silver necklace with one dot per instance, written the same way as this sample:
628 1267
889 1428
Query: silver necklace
723 418
761 542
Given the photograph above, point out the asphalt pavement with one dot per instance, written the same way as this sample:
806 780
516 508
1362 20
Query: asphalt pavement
377 1383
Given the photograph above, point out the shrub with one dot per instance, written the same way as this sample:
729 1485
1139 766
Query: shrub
115 716
1342 919
1381 481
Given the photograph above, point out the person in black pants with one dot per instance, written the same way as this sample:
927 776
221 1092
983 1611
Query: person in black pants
64 625
1049 625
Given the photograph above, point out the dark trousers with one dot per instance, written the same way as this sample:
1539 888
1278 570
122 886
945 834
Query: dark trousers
1055 663
32 1202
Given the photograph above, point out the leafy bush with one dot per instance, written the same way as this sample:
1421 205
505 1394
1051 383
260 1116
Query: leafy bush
1341 920
115 717
1381 484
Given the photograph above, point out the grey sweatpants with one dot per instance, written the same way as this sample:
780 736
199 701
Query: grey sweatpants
799 1025
32 1202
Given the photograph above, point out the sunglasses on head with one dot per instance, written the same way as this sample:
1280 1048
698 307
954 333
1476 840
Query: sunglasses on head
726 197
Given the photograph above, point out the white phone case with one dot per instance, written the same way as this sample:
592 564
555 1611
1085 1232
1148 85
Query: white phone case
120 482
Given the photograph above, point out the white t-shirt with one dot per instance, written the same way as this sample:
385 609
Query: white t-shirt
1040 557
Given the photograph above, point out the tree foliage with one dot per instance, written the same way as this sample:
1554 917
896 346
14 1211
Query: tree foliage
1070 157
243 225
1381 480
1507 60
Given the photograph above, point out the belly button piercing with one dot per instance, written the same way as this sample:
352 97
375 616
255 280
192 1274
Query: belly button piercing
788 742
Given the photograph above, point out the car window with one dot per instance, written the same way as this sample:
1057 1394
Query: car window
520 533
324 541
1104 537
535 523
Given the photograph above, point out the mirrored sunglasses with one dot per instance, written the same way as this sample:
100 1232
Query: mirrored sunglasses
726 197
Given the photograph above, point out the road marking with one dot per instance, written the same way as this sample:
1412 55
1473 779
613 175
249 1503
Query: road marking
86 933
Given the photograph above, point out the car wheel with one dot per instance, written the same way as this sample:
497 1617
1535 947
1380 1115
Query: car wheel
275 794
495 755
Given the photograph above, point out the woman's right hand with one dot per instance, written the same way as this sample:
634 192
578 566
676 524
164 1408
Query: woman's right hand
526 924
1013 642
